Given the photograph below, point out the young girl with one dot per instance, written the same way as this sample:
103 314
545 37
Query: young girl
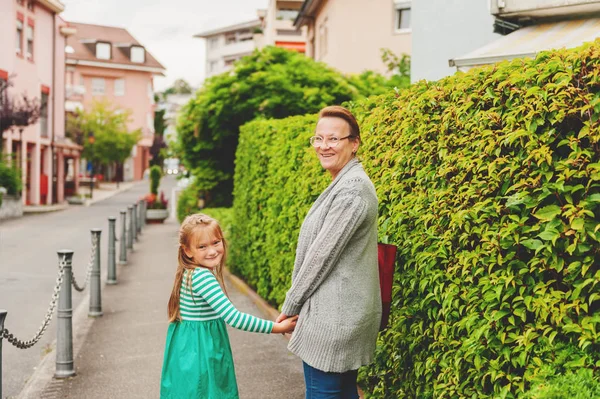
197 361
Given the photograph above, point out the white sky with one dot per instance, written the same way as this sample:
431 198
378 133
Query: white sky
166 27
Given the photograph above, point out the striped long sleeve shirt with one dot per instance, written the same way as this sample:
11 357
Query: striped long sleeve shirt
209 302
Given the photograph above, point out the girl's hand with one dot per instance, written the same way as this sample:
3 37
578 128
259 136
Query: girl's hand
285 326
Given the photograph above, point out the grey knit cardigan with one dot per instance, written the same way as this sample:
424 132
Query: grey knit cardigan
335 283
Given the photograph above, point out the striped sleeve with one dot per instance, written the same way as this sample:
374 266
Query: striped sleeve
206 285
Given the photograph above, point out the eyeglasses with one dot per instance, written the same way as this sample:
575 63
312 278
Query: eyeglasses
332 142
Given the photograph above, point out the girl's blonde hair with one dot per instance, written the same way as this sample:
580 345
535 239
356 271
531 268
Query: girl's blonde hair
192 225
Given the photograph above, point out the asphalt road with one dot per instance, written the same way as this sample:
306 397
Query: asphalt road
29 265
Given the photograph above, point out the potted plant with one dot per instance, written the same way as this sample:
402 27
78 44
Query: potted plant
156 206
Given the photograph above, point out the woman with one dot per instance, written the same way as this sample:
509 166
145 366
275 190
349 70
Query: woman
335 283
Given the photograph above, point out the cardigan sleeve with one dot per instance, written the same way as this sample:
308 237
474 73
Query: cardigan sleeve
346 213
206 285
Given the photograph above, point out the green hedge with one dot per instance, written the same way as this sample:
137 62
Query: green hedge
10 178
276 180
489 183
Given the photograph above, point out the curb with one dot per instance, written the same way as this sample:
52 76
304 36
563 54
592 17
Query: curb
41 383
37 209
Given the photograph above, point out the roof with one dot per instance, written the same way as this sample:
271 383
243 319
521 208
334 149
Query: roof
307 12
121 41
528 41
229 28
54 5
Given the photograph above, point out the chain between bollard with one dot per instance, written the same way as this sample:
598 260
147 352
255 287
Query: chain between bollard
88 272
28 344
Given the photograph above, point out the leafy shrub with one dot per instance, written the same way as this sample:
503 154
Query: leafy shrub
224 216
155 175
573 385
489 182
187 202
10 178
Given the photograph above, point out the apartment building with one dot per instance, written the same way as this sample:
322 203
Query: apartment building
349 34
32 42
228 44
105 62
277 24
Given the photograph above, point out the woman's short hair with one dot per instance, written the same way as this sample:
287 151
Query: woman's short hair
335 111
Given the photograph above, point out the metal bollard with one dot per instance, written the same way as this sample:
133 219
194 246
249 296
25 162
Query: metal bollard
111 276
144 207
123 239
130 230
64 328
2 317
95 294
139 219
135 223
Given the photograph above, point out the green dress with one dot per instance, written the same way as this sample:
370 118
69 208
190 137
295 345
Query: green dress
197 361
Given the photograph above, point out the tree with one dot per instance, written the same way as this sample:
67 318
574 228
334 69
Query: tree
269 83
15 113
180 86
158 144
112 142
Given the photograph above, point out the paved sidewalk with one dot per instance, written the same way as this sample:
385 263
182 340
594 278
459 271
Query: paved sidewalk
120 355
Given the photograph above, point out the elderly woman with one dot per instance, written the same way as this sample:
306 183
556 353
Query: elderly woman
335 283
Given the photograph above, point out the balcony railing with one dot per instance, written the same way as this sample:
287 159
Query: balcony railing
75 91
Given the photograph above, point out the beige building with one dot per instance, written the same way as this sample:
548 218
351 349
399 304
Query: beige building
349 34
277 23
226 45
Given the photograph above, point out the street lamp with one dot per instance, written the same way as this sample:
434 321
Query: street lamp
91 140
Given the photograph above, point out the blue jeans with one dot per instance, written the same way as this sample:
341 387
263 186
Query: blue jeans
324 385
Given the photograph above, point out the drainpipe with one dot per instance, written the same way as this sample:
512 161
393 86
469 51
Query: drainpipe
54 176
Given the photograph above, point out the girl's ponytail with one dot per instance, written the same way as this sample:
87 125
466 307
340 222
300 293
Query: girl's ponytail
173 307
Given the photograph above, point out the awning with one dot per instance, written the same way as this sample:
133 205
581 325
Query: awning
530 40
298 46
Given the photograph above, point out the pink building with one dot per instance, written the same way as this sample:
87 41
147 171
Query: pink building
107 62
32 42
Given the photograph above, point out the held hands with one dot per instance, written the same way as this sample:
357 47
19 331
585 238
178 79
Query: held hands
284 325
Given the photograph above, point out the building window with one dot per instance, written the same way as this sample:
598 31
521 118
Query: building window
245 35
30 5
138 54
323 33
286 14
213 43
150 92
230 38
30 42
119 87
402 20
212 66
230 62
98 86
19 44
44 113
150 122
103 51
20 2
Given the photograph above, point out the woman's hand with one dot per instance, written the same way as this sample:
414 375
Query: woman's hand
281 318
285 326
